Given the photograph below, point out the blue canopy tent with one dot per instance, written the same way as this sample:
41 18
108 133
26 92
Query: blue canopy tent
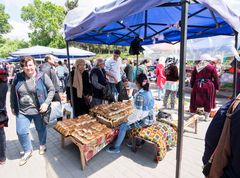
41 51
119 21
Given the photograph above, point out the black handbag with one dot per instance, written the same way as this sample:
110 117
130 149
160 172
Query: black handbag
46 115
207 168
3 116
108 94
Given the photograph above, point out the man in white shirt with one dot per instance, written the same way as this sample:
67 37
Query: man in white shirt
113 68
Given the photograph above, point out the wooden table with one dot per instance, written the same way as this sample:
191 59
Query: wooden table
89 151
190 119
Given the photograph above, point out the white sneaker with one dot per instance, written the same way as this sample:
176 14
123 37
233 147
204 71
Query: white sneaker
42 149
25 158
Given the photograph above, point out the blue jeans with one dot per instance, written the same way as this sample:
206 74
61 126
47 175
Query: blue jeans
2 144
23 125
124 127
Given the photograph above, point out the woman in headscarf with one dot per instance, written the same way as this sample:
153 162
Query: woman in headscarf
82 90
204 83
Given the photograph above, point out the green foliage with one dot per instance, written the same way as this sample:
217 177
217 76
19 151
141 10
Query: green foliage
7 46
45 20
71 4
5 27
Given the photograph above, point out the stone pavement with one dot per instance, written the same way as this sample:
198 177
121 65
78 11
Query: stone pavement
65 163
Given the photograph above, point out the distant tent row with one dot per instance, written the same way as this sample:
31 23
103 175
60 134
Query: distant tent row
41 51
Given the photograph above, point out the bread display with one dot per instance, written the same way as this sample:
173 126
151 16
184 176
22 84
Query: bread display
112 115
67 126
85 129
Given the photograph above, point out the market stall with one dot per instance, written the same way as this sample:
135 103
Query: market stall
91 133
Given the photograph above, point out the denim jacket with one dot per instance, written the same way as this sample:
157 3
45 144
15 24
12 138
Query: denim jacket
143 100
41 91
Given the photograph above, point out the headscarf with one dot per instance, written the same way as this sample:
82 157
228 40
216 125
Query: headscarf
77 79
204 61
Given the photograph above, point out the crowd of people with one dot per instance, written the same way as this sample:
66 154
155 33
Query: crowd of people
35 87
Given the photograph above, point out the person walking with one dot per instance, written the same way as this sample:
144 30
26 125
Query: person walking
31 95
171 85
204 83
3 114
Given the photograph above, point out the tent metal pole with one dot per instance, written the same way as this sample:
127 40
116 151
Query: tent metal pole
183 45
70 77
235 68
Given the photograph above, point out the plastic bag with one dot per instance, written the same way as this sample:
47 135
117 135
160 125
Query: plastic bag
67 110
56 111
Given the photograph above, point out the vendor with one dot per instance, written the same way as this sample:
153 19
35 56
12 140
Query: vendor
142 114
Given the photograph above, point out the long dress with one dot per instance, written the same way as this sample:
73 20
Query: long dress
204 85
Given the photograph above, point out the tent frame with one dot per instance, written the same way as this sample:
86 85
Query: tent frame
184 20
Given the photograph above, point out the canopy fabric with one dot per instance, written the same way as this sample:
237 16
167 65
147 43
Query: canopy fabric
10 59
155 21
73 53
41 51
221 45
35 51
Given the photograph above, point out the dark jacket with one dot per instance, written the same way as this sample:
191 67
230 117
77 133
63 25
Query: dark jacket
87 87
41 90
3 94
213 134
129 72
102 80
49 70
172 73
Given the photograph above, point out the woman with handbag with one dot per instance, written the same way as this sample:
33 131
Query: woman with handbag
3 114
31 95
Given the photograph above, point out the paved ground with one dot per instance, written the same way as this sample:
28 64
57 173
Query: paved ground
65 163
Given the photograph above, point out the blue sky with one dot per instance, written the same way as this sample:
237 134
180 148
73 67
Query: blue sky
20 29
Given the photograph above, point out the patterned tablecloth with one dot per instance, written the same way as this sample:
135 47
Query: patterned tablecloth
161 134
91 149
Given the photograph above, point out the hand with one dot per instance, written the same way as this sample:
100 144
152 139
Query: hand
90 99
217 91
43 108
13 112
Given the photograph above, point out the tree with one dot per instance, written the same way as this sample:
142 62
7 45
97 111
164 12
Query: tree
7 46
45 20
5 27
71 4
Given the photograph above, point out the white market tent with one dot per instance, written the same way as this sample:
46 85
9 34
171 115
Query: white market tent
41 51
118 22
221 45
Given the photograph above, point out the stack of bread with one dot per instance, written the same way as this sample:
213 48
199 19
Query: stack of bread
112 115
89 133
67 126
85 128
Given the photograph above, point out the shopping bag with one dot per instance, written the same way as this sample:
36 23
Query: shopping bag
67 110
56 111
